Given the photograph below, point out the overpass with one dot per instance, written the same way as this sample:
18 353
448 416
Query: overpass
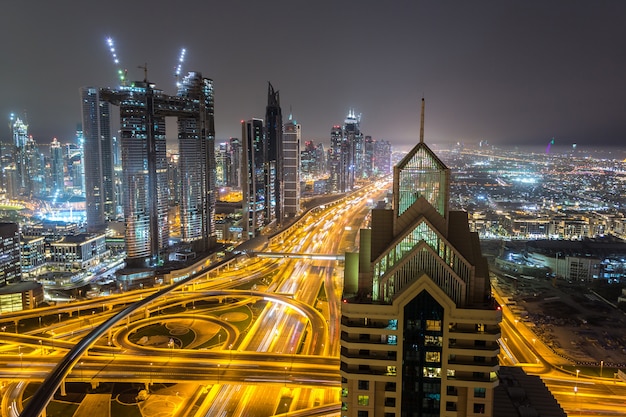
291 255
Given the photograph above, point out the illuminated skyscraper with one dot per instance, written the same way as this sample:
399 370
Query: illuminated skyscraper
291 167
10 266
419 329
253 177
19 180
196 147
274 167
57 183
346 154
100 198
143 110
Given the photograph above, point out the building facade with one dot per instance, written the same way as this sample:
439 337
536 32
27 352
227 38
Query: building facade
292 135
143 110
253 178
419 329
10 267
100 197
274 157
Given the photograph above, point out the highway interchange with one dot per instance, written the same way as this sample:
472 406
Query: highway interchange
254 337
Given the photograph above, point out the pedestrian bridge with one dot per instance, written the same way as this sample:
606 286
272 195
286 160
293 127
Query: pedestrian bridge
291 255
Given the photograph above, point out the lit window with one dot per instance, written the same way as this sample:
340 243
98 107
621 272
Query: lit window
432 372
433 356
364 400
433 325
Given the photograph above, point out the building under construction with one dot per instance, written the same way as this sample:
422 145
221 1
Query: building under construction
143 111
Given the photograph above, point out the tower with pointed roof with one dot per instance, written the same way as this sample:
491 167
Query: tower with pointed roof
419 329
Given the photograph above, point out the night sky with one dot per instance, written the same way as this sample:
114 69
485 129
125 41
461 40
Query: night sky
512 73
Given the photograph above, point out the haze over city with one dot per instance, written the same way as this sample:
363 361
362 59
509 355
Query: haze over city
509 73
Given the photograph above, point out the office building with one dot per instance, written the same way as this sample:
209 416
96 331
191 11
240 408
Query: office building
143 110
18 177
10 267
196 163
419 329
273 155
234 177
97 162
253 177
292 136
346 154
57 169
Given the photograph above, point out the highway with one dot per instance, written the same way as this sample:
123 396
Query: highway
282 359
582 394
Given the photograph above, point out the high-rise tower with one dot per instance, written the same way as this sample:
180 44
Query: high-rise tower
291 167
419 329
196 147
100 197
20 180
253 177
143 110
346 154
274 170
57 184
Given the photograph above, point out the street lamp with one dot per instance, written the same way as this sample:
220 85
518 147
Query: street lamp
41 346
601 366
170 345
576 386
150 373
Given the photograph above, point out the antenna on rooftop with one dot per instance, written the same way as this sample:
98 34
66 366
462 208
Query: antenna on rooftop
121 73
422 122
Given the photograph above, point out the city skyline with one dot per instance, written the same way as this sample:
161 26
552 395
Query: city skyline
515 74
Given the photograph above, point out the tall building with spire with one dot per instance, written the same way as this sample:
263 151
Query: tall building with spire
346 156
419 329
274 170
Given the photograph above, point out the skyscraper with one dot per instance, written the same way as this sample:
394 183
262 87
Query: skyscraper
10 267
291 167
253 177
196 147
56 169
346 154
20 180
100 198
274 169
419 329
143 110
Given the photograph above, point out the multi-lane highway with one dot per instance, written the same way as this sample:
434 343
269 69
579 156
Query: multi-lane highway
269 348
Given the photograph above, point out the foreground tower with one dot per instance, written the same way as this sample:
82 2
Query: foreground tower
418 328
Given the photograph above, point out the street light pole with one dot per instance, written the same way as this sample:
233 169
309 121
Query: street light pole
601 366
576 386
